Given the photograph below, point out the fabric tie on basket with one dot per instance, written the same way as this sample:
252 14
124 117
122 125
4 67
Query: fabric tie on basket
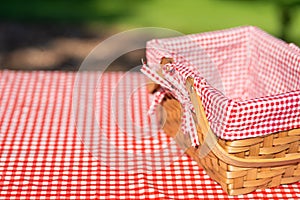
173 84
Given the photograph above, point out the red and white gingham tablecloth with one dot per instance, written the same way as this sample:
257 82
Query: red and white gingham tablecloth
43 156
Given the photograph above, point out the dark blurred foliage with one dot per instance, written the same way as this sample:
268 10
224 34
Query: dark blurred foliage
286 14
66 10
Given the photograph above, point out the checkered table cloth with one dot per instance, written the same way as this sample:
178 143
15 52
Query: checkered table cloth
48 150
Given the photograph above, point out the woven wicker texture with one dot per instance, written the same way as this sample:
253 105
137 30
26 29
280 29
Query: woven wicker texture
234 177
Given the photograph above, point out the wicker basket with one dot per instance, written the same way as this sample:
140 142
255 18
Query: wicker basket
251 140
239 166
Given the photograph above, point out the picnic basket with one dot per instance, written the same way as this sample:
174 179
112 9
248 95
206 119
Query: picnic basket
261 148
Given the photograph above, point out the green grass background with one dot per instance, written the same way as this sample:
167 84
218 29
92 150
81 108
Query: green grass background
186 16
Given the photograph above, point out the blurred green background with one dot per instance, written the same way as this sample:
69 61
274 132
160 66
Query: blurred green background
89 21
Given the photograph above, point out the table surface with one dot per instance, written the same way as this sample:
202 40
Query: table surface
88 136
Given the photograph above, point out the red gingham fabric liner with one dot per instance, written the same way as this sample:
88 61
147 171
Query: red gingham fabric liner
42 156
180 93
248 80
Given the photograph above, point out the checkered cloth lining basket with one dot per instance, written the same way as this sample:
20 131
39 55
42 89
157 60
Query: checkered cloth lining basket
242 164
259 91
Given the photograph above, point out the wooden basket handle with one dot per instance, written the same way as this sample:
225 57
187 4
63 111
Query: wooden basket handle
218 150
